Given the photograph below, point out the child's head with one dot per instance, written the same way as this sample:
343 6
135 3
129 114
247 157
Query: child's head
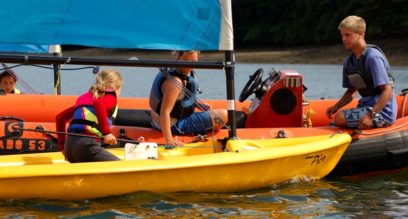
107 80
7 81
190 56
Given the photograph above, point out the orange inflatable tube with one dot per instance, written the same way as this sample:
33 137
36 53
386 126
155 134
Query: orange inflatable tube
14 140
44 107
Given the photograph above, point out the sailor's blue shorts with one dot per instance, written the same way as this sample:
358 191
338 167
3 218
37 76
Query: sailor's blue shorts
196 123
353 117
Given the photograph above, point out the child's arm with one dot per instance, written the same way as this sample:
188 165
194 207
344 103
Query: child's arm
169 99
102 106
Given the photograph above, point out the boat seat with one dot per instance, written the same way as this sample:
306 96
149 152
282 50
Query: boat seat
141 118
133 117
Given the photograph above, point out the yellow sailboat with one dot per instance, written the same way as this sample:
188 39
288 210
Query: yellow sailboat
199 167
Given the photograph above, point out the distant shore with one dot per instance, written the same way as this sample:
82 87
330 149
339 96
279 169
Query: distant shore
395 49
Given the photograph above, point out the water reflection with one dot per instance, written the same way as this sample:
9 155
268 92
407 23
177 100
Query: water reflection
384 195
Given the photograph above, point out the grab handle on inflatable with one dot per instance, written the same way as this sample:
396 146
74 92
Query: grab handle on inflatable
3 118
11 135
404 91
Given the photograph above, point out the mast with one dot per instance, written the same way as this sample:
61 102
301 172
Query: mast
56 51
229 73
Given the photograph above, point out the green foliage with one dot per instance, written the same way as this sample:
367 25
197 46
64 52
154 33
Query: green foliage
300 22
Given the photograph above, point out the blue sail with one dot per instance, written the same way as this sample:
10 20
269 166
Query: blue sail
147 24
23 48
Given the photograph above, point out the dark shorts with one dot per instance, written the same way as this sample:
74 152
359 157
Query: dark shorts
196 123
353 117
84 149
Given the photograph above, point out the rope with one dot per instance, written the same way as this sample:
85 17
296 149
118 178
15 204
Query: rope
338 132
28 88
13 74
96 137
52 68
379 132
11 135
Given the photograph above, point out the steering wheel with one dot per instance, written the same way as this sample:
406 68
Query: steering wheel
252 85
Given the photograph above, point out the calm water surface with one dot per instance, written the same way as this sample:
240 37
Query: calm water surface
374 196
322 80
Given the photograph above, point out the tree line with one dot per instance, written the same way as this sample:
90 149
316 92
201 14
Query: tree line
301 22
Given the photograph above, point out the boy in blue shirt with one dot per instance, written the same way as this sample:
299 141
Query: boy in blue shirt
367 72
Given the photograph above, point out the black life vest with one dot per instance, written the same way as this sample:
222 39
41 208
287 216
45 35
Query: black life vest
182 108
359 76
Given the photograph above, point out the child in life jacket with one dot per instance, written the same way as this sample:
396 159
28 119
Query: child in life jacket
8 83
92 115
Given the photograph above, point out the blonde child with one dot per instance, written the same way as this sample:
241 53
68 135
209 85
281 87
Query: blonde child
91 115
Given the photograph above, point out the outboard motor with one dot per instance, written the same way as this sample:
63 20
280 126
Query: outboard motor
278 100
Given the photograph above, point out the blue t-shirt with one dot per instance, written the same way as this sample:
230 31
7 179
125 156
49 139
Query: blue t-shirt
377 65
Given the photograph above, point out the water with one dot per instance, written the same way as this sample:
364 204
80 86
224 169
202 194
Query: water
374 196
322 80
380 196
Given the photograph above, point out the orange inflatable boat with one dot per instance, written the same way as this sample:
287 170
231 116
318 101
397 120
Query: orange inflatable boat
277 111
14 140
